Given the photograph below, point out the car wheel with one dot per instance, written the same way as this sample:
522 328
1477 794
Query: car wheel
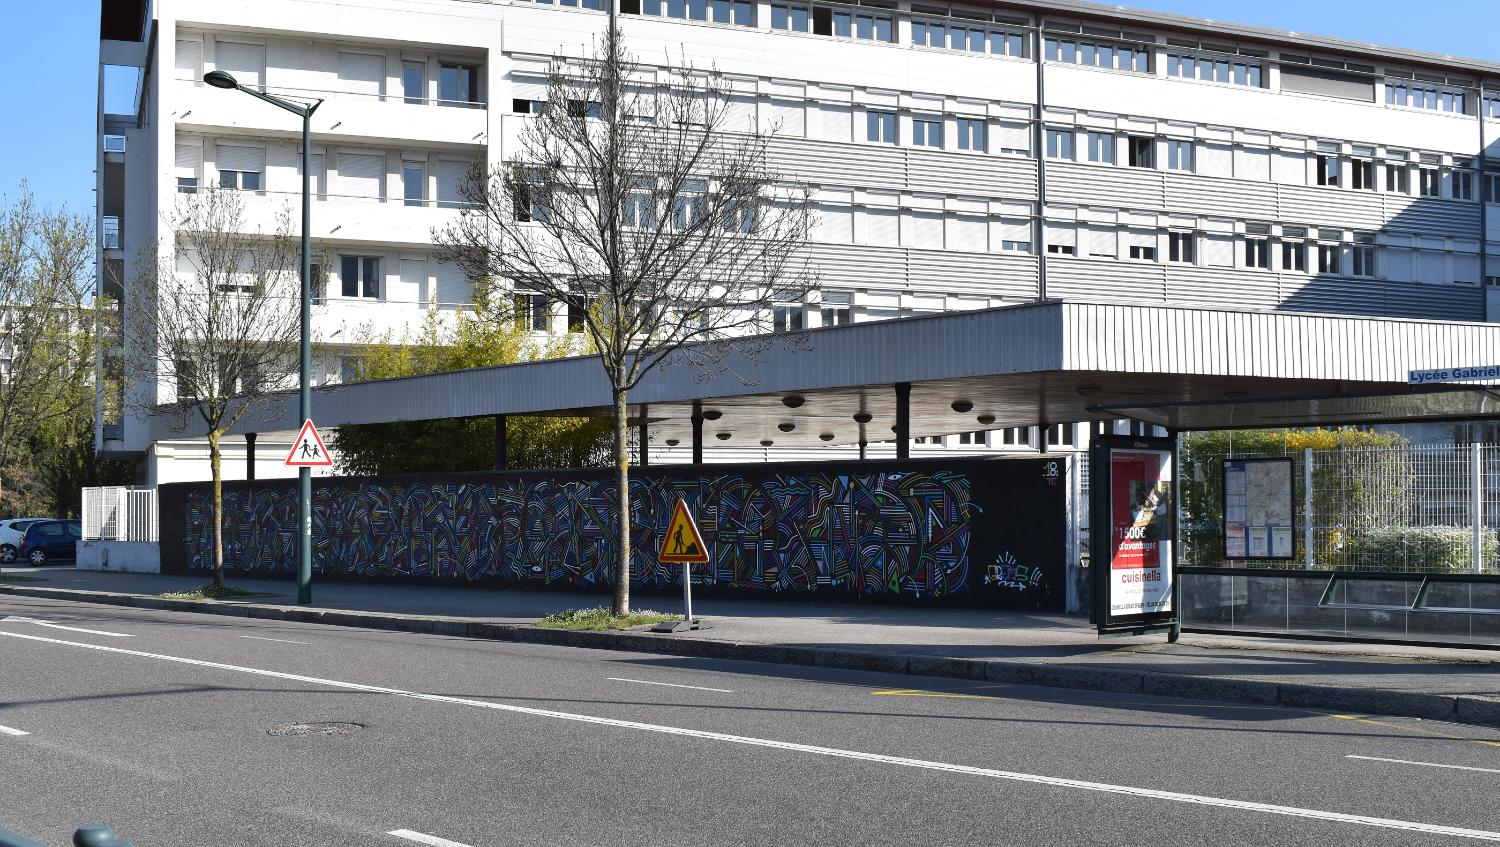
37 558
7 553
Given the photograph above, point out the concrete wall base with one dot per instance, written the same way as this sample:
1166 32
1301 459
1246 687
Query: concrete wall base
123 556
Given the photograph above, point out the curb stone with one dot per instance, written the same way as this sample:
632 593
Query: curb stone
1469 709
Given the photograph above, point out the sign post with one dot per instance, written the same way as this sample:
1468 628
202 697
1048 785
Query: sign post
682 544
1134 554
307 453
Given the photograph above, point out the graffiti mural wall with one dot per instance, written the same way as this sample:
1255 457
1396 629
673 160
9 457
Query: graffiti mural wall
974 533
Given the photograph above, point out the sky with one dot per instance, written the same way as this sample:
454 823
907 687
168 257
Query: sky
51 61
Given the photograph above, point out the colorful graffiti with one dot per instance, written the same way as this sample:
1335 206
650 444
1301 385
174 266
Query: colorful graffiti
893 532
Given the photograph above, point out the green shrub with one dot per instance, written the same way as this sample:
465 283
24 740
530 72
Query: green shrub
1433 549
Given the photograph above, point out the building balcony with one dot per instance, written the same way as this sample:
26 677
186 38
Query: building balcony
368 118
386 221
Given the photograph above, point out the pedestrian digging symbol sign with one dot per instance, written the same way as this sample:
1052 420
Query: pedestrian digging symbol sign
308 450
682 545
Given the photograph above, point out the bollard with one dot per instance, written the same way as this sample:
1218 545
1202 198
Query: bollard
97 836
10 839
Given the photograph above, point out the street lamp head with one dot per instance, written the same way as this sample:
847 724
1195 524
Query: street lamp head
221 79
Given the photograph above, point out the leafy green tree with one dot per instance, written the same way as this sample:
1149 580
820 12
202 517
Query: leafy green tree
488 335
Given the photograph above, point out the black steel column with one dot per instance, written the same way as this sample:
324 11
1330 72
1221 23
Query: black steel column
903 420
697 433
861 449
645 450
250 456
501 458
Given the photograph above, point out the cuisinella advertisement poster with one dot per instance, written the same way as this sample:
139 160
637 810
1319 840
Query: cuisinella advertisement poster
1140 511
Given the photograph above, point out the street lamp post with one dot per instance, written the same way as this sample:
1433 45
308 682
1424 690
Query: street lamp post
223 79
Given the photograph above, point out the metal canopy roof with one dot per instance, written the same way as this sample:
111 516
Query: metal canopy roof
1047 362
1417 404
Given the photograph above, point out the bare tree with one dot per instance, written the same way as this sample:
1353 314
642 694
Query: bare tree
642 203
46 300
219 315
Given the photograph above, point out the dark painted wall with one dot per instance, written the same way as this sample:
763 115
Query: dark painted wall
977 533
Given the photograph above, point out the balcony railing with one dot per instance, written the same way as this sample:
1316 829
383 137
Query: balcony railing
109 232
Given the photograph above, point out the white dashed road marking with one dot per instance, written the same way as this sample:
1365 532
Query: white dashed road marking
424 838
19 619
668 684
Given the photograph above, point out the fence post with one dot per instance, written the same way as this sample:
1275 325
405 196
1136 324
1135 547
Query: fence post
1477 504
1307 510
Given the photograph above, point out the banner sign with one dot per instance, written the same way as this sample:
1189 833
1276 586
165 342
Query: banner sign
1134 554
1473 373
1259 509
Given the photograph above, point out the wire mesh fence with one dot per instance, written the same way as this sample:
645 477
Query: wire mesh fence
117 513
1408 508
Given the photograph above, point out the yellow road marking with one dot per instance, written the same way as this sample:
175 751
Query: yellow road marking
1409 728
917 692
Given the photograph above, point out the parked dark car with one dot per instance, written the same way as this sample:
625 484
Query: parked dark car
50 541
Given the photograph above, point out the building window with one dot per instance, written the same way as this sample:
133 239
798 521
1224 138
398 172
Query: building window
1328 168
413 183
359 276
1328 259
1180 247
971 135
1362 174
881 127
978 38
414 82
1362 258
1418 96
1236 70
187 185
1294 256
527 107
575 317
243 180
927 132
1463 185
1429 182
1179 155
787 317
1062 249
458 84
1491 185
1140 151
1142 252
1060 144
977 439
1060 434
1099 54
1397 178
1257 251
824 20
837 310
1101 147
584 109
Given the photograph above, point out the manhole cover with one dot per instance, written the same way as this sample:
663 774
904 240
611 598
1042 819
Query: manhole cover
315 728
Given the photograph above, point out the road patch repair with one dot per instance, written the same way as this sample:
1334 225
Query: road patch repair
1465 703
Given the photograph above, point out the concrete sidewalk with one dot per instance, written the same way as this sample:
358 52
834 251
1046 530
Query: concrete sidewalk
1432 683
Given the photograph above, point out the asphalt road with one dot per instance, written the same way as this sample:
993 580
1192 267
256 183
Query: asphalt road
171 728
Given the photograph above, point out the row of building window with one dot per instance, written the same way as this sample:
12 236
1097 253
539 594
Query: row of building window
1058 435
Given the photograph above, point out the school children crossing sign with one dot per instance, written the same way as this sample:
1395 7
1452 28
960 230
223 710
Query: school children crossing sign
308 450
682 545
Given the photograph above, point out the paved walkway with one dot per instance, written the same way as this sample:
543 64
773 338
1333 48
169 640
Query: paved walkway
1049 639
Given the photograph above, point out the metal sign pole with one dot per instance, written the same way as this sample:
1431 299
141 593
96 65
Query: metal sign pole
687 594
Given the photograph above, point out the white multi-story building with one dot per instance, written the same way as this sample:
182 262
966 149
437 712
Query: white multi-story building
962 155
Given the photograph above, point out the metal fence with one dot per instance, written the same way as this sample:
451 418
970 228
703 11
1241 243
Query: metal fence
117 513
1424 509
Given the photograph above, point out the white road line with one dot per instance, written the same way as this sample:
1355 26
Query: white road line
1423 764
424 838
19 619
668 684
856 755
282 640
7 730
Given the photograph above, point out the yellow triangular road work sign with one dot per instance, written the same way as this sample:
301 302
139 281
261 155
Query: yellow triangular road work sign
682 545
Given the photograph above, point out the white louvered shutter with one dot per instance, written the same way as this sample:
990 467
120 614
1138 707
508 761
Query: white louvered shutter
1139 238
1009 229
1015 136
1215 160
833 122
451 176
414 280
522 88
233 157
1218 250
453 287
739 113
1465 267
1398 264
189 58
835 224
1289 167
790 117
319 174
247 62
1104 241
883 227
1252 163
968 233
360 175
1430 267
189 158
927 229
1061 234
361 73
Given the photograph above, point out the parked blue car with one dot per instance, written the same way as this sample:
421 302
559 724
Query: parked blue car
50 541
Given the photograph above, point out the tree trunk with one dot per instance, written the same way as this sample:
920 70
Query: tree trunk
216 468
622 462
